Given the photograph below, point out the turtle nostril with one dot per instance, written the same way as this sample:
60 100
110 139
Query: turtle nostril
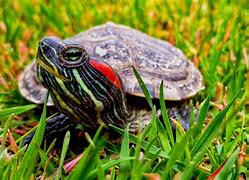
43 46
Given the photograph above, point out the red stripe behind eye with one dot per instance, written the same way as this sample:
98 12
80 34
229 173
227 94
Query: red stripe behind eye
107 71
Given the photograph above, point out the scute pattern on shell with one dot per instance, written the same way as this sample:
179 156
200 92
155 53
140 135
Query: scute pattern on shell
156 60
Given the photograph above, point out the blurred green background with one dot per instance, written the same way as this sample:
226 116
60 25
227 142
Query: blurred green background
212 34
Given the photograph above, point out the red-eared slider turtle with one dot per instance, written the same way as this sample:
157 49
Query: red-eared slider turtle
90 78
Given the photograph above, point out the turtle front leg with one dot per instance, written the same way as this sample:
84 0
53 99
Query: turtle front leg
56 127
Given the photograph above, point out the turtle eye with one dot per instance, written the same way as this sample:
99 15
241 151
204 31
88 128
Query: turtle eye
73 54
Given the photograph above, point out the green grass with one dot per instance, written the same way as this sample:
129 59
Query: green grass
213 34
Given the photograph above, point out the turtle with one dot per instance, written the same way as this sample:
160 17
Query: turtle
90 80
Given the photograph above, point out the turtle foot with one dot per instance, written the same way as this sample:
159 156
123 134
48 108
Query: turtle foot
56 127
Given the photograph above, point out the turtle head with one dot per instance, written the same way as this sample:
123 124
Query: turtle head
82 87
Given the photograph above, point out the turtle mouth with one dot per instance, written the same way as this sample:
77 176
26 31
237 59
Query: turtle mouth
52 71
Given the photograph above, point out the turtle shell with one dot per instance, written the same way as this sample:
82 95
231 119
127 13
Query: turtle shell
31 88
155 60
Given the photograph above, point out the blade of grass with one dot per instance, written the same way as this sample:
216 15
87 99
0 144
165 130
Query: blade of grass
233 145
101 172
143 87
147 166
124 153
211 156
13 144
145 131
153 148
147 150
44 160
225 170
6 127
7 172
202 115
4 113
51 146
161 134
153 122
19 155
213 128
136 172
232 90
165 116
63 155
3 153
83 168
193 165
178 150
113 174
28 162
108 165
